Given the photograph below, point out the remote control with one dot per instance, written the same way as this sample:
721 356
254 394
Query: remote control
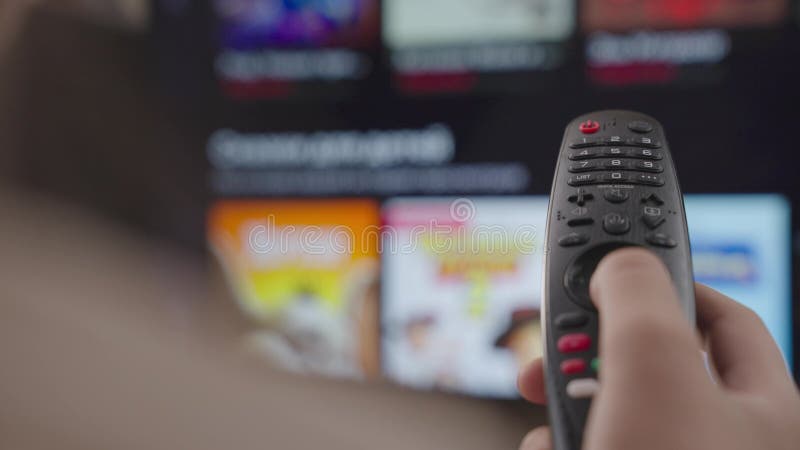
615 186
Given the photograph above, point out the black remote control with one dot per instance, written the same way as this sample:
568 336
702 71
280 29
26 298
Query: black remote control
615 186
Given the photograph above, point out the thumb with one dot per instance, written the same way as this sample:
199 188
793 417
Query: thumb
644 336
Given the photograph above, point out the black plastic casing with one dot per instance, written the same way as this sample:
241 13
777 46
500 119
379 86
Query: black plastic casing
567 415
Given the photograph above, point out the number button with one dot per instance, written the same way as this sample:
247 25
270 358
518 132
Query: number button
615 164
583 166
648 166
616 177
645 153
615 152
585 142
586 153
645 142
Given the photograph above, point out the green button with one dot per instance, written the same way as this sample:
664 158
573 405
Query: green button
595 364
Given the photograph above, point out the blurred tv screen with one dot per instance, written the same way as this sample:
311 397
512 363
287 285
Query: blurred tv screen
340 134
440 292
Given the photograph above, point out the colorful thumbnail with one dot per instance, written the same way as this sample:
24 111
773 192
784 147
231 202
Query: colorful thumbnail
741 246
461 292
254 24
626 15
436 23
307 274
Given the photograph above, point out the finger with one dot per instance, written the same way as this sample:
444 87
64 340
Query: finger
744 354
645 337
537 439
530 382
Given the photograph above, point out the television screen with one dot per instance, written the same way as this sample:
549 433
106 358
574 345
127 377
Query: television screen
373 124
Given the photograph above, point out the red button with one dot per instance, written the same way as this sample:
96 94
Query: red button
576 342
590 127
573 366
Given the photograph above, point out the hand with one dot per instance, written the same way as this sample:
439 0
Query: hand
655 390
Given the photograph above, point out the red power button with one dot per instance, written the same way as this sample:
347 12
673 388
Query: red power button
590 127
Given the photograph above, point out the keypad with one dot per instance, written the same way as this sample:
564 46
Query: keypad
615 164
614 152
637 141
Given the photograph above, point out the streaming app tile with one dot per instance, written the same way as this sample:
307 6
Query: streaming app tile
741 246
285 48
432 23
461 291
457 45
306 273
256 24
626 15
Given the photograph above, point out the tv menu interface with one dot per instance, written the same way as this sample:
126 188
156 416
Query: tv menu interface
378 171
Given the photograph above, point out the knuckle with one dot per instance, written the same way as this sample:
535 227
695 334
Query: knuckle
627 263
629 258
648 332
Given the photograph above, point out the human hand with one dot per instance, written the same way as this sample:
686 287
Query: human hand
655 390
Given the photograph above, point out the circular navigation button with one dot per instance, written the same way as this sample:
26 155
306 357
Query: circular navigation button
580 270
590 127
640 126
616 223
